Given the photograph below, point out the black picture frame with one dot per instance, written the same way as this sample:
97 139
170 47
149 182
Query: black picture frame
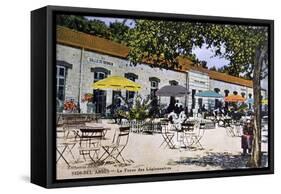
43 111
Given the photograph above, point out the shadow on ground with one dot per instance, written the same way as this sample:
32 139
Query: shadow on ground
218 160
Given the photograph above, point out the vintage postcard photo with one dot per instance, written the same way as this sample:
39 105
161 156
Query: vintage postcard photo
146 96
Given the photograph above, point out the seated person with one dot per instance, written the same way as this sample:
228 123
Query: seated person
172 116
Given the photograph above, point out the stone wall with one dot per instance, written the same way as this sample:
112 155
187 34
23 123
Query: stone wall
117 67
230 87
72 56
88 60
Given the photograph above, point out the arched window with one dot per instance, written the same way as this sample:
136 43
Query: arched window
154 85
235 92
173 83
250 95
99 96
243 94
100 73
132 77
226 92
217 90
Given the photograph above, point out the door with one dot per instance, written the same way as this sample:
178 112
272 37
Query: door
99 96
100 101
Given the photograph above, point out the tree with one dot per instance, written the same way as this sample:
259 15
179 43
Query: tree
246 47
116 31
162 42
98 28
119 31
72 21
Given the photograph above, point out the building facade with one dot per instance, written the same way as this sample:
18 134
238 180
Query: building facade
83 59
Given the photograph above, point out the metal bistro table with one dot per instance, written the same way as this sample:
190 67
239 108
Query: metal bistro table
90 141
90 131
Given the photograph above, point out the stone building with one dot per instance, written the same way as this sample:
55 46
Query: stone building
83 59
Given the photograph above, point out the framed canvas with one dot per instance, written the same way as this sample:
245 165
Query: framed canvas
126 96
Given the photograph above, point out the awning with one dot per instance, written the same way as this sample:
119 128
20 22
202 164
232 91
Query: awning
208 94
117 83
176 91
234 98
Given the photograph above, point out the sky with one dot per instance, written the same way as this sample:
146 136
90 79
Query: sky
203 54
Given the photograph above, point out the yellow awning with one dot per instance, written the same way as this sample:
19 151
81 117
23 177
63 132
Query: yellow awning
116 83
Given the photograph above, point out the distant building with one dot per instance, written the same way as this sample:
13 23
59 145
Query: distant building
83 59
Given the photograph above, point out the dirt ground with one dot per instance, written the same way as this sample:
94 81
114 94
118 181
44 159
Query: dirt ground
143 155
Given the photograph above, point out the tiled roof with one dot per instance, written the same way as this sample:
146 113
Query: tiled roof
230 79
90 42
218 75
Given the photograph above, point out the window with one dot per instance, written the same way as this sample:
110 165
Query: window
115 98
226 92
250 95
235 92
154 88
243 94
98 76
154 85
193 98
217 90
61 74
99 96
132 77
173 83
200 102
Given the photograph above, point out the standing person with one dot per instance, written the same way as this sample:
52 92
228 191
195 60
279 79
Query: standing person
176 107
247 137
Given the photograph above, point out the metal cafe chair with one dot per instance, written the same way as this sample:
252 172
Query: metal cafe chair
233 129
167 135
64 147
115 149
193 134
188 131
90 143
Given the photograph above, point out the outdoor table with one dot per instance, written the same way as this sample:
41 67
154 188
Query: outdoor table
90 140
89 131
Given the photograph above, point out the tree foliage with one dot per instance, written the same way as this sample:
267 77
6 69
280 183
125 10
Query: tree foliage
162 42
246 47
238 44
116 31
